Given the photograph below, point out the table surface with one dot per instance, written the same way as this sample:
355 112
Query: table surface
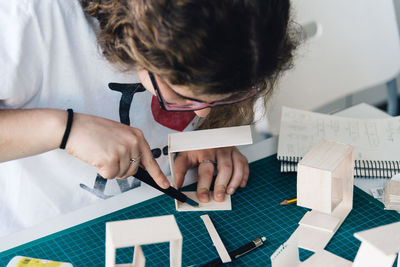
255 212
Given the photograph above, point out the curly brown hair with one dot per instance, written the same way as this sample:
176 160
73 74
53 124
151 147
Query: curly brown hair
212 46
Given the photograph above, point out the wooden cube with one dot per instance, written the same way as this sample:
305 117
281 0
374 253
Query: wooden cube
325 177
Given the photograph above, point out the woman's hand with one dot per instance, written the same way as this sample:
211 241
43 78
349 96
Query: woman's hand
232 166
110 146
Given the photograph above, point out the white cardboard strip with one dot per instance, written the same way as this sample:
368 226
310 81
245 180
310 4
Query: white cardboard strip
211 205
222 252
211 138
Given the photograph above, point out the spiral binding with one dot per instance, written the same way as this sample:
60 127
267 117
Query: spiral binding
362 168
289 158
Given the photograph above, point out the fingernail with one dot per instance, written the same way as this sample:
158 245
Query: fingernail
231 191
204 196
166 184
220 195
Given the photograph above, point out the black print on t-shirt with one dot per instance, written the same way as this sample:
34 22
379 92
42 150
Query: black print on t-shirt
128 90
157 152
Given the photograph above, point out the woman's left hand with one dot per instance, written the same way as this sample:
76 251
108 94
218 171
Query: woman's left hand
232 167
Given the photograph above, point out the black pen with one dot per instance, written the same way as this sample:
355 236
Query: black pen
145 177
238 252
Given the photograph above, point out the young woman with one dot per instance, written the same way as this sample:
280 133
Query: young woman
132 71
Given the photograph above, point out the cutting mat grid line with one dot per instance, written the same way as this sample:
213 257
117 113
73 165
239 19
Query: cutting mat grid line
256 212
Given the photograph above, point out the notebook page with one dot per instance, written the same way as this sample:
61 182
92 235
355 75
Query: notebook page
372 139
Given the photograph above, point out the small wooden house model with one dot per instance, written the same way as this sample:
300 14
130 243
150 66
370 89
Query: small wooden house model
324 184
144 231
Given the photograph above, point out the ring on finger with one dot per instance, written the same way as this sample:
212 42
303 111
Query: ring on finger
134 160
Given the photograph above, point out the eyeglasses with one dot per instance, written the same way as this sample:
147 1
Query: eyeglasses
192 104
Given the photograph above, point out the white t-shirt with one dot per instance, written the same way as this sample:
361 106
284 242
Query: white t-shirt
50 59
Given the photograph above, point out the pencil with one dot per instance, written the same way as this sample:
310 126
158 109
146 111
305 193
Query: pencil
289 201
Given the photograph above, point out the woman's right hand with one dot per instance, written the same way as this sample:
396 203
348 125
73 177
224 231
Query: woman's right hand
109 146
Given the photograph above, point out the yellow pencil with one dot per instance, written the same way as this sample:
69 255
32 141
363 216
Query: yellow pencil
289 201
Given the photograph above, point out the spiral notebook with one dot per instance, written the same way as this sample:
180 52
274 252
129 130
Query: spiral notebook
376 142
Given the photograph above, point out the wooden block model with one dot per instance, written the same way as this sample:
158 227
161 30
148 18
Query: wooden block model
391 197
324 184
205 139
325 177
138 232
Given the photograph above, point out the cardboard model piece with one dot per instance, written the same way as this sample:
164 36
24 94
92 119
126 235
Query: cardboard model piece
218 244
391 197
325 185
379 247
138 232
287 255
205 139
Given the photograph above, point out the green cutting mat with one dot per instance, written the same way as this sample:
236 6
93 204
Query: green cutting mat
256 212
